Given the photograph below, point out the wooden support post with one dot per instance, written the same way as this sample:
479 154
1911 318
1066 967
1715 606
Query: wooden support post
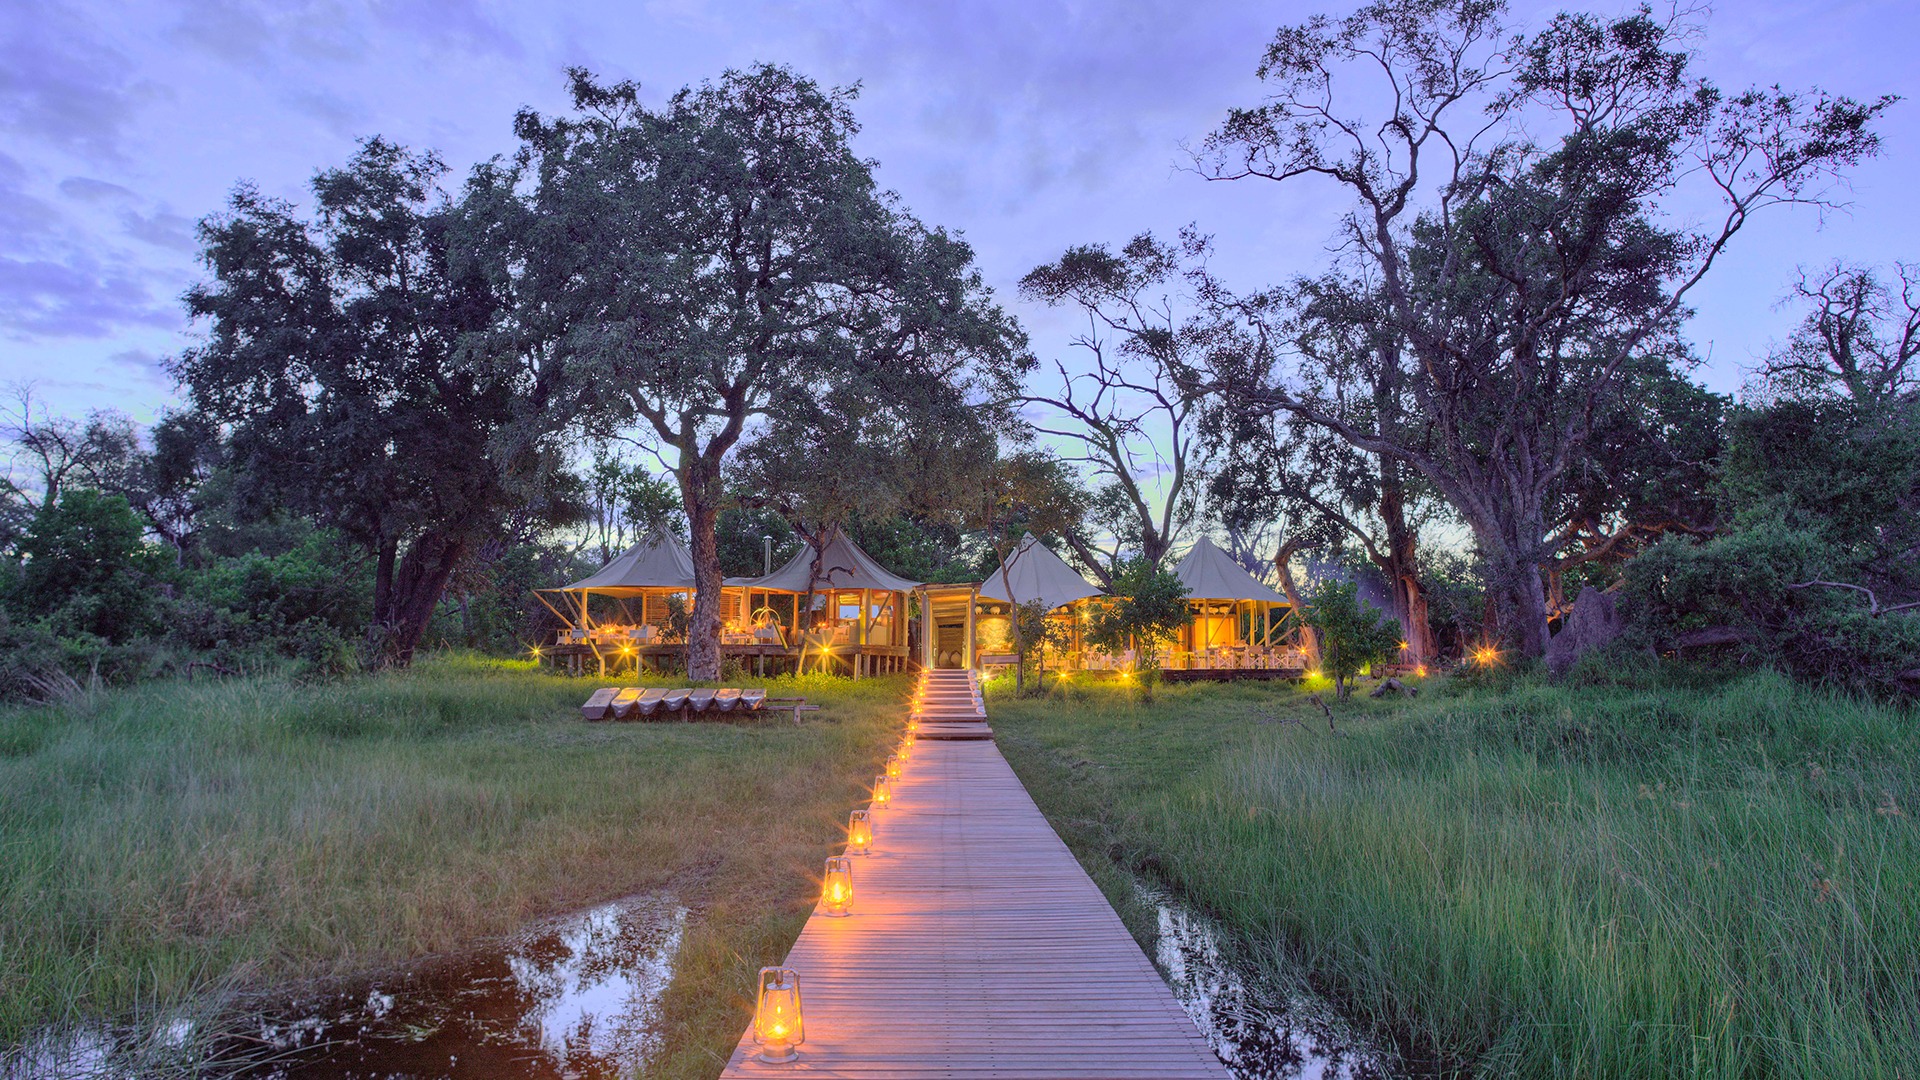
973 601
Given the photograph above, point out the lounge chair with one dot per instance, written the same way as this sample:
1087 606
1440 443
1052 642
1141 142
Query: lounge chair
649 702
624 701
674 701
699 700
725 699
751 699
599 703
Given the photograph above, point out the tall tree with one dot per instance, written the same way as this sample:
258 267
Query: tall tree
719 262
1859 339
1131 411
1507 214
347 360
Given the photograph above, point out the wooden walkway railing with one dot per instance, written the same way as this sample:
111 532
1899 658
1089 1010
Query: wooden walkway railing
977 948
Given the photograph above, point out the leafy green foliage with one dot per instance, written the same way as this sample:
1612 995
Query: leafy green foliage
1146 608
1352 635
88 569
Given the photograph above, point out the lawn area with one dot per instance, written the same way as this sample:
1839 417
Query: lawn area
175 846
1713 879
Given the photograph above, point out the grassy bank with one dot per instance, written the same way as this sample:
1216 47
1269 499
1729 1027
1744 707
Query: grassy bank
175 845
1716 880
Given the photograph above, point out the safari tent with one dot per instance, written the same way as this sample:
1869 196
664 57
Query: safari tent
858 618
1232 611
1031 572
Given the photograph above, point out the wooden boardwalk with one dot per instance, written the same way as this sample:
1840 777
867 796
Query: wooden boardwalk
977 948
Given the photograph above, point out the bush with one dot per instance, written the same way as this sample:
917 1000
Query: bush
88 570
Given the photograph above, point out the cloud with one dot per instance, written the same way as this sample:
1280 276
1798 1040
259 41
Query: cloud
61 85
89 190
82 297
459 23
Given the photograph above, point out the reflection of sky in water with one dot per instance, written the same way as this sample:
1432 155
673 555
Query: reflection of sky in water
1259 1031
598 982
579 998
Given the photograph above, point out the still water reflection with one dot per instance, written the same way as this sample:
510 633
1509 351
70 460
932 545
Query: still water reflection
1260 1030
579 998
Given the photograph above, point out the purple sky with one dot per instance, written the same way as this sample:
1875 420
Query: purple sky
1029 126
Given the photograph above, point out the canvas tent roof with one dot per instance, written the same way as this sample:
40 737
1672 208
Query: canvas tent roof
844 566
659 562
1036 573
1211 574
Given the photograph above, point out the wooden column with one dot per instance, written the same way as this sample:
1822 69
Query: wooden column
973 601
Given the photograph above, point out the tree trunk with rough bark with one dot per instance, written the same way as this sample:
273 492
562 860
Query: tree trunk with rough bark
1283 567
412 589
1408 593
700 493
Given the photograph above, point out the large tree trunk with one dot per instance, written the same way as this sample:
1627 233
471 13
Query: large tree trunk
1516 592
701 494
1402 569
1283 567
418 583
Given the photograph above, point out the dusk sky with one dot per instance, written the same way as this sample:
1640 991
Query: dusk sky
1028 126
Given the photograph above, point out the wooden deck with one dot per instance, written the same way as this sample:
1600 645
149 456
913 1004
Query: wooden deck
977 947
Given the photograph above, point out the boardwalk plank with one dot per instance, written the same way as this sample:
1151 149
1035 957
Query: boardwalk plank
977 948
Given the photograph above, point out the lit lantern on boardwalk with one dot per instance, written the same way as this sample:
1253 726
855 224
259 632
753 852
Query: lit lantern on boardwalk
893 766
776 1015
859 832
882 792
906 747
836 892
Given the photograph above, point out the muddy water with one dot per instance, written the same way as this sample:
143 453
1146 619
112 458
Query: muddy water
1259 1030
578 998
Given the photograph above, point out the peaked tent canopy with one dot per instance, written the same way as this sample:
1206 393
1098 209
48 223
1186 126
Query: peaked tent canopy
1211 574
844 566
1034 572
659 562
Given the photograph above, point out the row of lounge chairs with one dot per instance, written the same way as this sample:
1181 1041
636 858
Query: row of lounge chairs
634 703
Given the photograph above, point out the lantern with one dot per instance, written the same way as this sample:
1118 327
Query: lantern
859 832
836 892
893 766
882 792
776 1015
906 747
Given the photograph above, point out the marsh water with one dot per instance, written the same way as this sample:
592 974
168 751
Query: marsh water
577 998
1259 1029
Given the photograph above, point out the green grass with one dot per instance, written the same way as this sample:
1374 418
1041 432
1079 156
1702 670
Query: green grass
1714 880
180 846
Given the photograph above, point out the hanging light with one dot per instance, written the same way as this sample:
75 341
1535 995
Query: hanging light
859 832
836 891
776 1015
893 766
882 792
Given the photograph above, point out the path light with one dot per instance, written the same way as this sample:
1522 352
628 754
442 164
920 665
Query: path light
906 747
882 792
1486 656
836 892
893 766
859 832
776 1015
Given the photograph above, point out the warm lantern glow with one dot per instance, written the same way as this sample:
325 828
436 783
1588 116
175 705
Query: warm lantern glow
1486 656
906 747
893 766
912 724
1421 671
776 1015
859 832
836 891
882 792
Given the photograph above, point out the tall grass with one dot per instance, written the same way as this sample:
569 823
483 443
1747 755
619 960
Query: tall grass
177 844
1715 881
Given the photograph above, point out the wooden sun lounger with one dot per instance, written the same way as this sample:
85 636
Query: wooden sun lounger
699 700
649 702
674 701
751 699
598 703
623 702
725 699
